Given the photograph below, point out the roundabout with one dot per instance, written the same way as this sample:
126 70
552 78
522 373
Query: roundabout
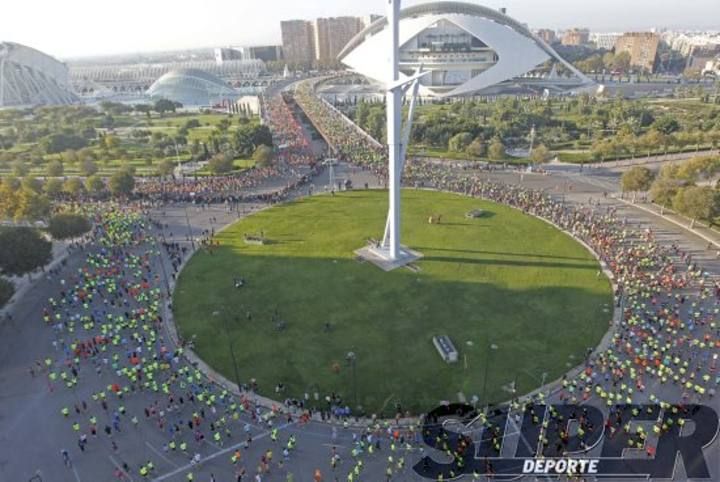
521 301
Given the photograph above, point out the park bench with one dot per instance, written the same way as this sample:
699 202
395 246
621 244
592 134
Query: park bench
445 348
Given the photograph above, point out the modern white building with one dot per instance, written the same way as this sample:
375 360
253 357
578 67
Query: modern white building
192 88
466 47
29 77
605 40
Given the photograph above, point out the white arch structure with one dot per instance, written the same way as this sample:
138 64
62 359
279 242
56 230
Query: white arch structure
29 77
505 49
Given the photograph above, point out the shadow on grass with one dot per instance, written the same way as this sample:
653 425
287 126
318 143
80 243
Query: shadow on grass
329 308
501 253
497 262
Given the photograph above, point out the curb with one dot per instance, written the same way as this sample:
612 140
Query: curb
280 407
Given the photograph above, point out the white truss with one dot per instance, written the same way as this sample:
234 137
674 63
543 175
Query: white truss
29 77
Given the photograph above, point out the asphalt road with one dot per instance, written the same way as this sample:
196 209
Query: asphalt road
33 432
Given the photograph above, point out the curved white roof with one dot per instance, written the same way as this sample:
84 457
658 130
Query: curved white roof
516 49
29 77
191 87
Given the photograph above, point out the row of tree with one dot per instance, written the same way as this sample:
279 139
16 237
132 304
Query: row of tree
25 249
29 199
608 128
685 187
627 143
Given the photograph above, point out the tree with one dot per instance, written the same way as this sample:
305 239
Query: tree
23 250
601 149
89 167
73 186
144 108
653 139
223 125
8 198
31 183
220 163
19 168
261 135
666 124
31 206
54 169
94 185
53 187
702 167
263 155
476 148
459 142
696 203
636 179
663 190
68 225
122 183
496 150
621 62
55 143
162 106
110 141
540 154
166 167
7 290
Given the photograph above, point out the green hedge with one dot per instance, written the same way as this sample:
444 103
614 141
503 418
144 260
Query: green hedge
7 289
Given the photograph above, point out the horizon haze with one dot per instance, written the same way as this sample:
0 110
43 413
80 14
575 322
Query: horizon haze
78 28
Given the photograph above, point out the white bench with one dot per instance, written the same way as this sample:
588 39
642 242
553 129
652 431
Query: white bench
445 348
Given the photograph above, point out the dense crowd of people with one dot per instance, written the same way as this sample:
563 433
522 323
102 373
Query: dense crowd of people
347 142
108 319
294 147
294 162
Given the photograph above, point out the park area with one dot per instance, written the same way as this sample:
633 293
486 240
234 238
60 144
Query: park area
511 291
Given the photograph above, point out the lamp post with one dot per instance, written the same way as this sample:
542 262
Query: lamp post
490 348
177 158
232 350
351 357
187 221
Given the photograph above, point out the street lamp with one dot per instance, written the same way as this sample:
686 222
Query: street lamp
351 358
492 347
232 349
177 159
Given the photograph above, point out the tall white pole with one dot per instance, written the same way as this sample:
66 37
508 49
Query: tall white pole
394 96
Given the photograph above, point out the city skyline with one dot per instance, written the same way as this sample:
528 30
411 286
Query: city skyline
77 28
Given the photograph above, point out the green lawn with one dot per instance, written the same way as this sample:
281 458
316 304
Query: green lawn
423 151
239 166
507 278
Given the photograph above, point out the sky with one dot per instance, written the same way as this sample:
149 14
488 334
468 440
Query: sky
77 28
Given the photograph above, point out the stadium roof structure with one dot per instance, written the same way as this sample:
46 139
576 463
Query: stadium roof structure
466 47
29 77
191 87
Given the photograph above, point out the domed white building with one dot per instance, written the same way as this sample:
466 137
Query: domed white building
192 87
30 78
467 48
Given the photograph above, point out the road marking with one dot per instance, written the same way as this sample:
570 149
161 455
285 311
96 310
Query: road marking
77 477
160 454
215 455
119 467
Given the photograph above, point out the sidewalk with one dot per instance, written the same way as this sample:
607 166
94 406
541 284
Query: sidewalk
699 229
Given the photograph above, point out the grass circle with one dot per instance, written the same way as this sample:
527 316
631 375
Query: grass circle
521 300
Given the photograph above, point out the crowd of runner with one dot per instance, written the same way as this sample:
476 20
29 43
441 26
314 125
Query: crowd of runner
346 140
294 147
108 318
